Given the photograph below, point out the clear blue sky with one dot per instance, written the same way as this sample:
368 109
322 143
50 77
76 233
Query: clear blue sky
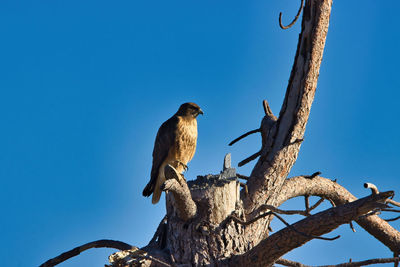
86 84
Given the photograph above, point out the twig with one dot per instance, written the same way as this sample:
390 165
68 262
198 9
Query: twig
290 263
317 204
149 257
312 175
246 190
287 212
352 227
267 109
392 219
332 203
236 219
241 176
366 262
375 190
244 135
104 243
298 140
304 234
159 230
272 209
307 204
394 203
247 160
294 20
391 210
276 210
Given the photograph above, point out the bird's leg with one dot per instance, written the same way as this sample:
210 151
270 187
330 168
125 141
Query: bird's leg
185 167
171 173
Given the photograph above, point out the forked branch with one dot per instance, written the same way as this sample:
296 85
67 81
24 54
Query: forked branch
278 244
322 187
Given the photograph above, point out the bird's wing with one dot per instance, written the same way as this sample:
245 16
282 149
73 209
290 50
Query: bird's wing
164 141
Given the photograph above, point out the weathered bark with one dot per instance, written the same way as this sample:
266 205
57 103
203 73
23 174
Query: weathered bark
280 152
181 200
209 236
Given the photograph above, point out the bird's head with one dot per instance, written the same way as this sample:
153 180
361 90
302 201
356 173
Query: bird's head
190 110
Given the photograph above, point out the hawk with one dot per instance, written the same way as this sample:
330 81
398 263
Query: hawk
175 144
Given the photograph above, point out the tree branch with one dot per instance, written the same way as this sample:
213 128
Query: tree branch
290 263
104 243
294 20
277 159
375 190
322 187
278 244
244 135
183 203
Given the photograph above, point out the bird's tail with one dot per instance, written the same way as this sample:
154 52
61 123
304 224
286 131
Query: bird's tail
157 190
148 190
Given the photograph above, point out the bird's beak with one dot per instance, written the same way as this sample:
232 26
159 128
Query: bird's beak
201 112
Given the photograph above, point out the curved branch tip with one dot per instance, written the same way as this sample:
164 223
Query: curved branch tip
294 20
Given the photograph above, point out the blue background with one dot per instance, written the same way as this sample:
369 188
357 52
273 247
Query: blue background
86 84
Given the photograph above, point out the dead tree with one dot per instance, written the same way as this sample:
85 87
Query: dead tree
212 221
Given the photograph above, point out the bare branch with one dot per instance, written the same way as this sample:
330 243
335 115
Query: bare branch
307 204
251 158
393 219
158 237
135 257
236 219
286 262
306 235
185 206
278 244
312 175
375 190
278 157
391 210
322 187
267 109
352 227
276 210
363 263
394 203
332 203
244 187
294 20
104 243
244 135
241 176
290 263
317 204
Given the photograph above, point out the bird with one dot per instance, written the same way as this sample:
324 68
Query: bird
175 145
